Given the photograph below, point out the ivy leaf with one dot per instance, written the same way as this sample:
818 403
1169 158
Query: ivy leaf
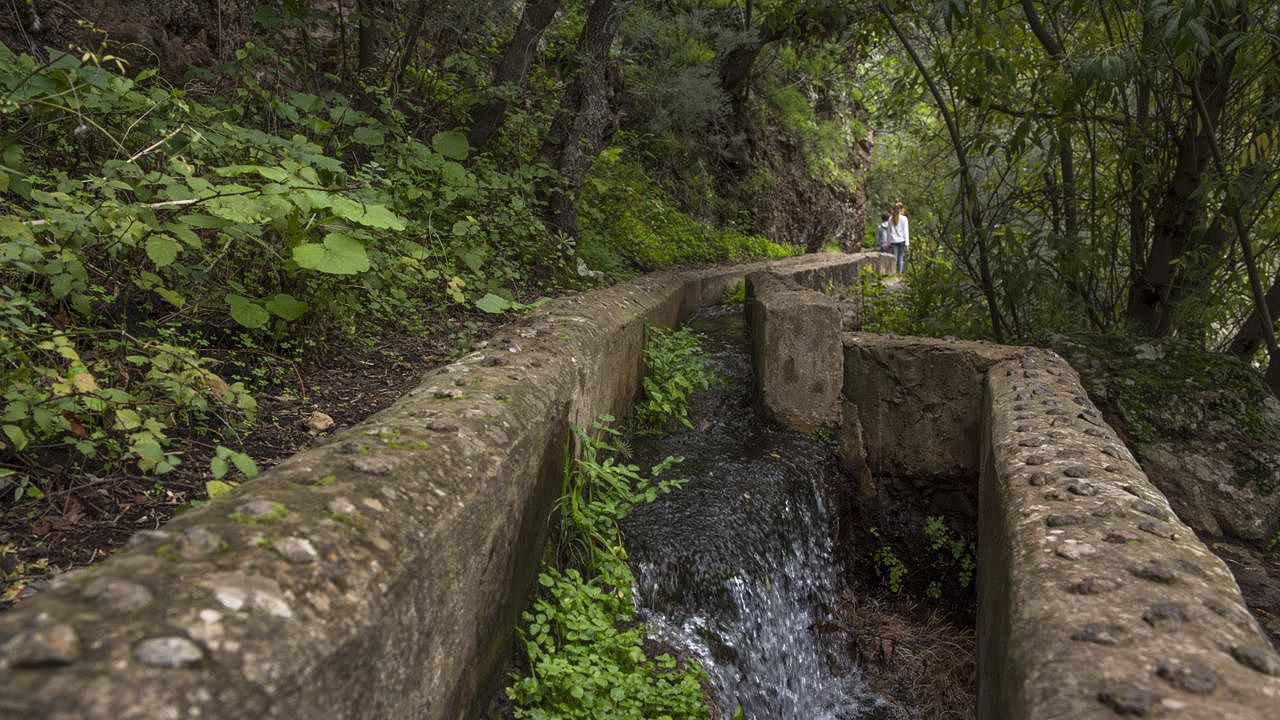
127 419
148 451
493 304
247 312
286 306
162 250
451 144
472 257
339 255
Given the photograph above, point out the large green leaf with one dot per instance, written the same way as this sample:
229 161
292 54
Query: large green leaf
369 136
367 214
274 174
451 144
338 255
162 250
247 312
286 306
493 304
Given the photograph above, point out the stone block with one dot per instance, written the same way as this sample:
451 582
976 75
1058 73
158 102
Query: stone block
795 348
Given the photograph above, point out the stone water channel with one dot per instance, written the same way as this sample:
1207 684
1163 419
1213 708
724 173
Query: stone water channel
737 566
388 585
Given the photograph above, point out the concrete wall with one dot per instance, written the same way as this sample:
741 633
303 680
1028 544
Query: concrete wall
378 576
1094 599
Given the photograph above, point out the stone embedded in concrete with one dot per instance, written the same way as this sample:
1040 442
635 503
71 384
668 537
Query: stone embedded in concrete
43 646
795 350
1189 675
295 550
118 597
1128 699
171 652
341 506
1165 616
196 543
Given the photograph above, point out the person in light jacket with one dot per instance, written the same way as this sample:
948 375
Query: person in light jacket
882 232
899 236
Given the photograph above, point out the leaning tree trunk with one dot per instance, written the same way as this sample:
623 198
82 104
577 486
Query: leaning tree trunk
1251 337
971 211
1181 208
585 121
487 118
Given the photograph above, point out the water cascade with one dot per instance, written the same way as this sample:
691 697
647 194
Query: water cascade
736 566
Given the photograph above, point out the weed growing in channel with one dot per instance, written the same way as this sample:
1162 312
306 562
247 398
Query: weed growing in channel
953 556
675 368
585 651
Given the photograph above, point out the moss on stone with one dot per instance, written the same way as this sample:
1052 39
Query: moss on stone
1171 389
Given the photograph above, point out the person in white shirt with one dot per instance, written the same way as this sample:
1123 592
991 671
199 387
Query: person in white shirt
899 237
882 232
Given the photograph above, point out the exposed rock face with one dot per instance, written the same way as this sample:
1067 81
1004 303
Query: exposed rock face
1209 441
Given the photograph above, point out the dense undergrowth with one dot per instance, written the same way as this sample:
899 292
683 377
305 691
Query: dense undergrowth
166 253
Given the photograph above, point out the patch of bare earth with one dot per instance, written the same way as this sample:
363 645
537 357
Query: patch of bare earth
83 516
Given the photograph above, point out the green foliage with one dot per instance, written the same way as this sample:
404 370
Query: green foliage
888 566
953 557
141 226
675 368
599 491
622 207
585 651
735 294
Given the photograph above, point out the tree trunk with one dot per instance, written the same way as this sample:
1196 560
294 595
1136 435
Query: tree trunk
487 118
410 47
1066 154
366 36
1181 208
585 121
1251 337
970 209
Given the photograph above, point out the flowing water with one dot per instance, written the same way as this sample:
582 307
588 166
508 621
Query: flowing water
736 565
